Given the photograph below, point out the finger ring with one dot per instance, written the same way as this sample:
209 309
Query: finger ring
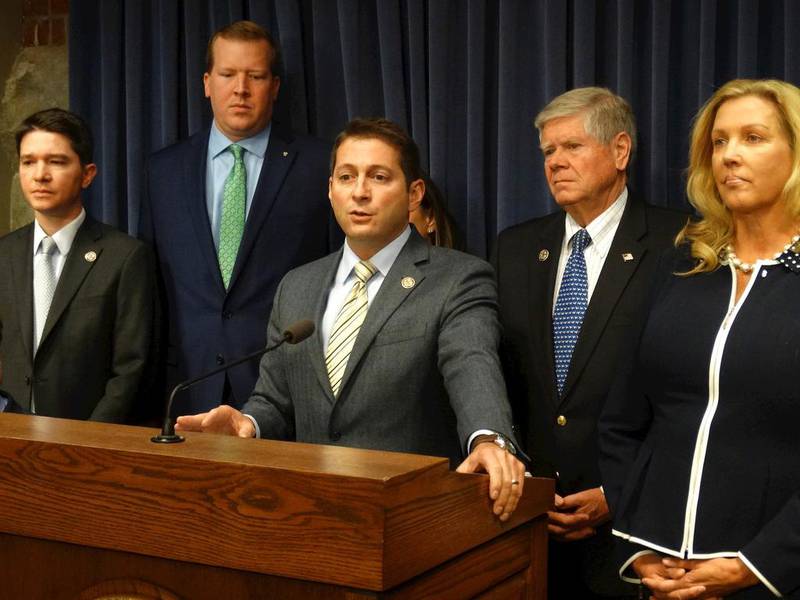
514 482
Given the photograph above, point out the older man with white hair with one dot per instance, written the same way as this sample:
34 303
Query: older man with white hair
572 287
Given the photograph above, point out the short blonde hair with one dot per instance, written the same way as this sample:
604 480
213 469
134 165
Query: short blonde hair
604 113
713 232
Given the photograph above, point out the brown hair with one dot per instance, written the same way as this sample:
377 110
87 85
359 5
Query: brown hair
386 131
434 204
245 31
64 122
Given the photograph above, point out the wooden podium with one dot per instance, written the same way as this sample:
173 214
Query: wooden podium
92 511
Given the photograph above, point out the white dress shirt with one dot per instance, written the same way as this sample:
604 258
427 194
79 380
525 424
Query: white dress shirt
346 276
602 230
63 239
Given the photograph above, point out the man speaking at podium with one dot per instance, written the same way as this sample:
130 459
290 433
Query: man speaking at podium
404 357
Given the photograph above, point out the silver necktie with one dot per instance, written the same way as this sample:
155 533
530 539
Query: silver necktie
44 285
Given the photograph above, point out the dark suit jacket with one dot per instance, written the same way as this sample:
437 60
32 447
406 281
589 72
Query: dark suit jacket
94 358
423 375
11 405
526 282
289 224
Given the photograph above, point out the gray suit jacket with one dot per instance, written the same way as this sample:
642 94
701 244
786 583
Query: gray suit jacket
423 375
96 349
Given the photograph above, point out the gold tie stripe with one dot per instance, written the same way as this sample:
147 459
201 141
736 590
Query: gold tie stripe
348 323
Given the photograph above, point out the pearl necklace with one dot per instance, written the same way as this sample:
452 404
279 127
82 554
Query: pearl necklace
746 267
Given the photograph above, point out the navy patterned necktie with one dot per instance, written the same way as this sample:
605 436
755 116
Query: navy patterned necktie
570 307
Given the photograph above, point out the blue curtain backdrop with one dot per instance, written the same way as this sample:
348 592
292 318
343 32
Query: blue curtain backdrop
465 77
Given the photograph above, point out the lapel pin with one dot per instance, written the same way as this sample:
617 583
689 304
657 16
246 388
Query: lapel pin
90 256
285 154
407 282
544 255
627 256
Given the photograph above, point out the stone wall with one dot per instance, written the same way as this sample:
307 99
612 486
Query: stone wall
33 76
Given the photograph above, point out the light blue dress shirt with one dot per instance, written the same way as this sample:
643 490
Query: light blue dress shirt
219 162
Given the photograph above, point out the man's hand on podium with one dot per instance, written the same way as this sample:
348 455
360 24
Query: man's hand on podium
223 419
506 476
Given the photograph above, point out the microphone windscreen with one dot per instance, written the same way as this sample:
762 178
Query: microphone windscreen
297 332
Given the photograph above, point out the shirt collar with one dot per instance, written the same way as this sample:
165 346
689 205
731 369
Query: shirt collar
256 144
603 222
383 259
63 238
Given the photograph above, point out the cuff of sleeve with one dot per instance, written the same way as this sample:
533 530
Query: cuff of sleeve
476 434
255 424
761 577
627 573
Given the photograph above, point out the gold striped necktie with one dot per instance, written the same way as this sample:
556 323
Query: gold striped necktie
348 323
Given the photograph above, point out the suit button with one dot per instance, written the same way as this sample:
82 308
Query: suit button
27 380
561 420
220 359
336 436
227 315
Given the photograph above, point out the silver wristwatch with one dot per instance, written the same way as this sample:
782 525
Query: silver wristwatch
504 443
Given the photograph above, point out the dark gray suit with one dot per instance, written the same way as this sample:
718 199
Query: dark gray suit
95 353
423 374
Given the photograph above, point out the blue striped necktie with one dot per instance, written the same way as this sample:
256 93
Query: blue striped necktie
570 307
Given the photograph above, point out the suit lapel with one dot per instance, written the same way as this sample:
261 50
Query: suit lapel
316 351
614 278
277 161
541 286
76 267
391 295
22 274
194 184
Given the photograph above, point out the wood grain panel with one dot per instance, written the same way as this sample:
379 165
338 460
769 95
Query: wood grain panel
364 520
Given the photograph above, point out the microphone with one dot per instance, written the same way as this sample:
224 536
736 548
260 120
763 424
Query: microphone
294 334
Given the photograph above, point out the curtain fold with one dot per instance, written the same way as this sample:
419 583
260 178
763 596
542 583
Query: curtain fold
466 79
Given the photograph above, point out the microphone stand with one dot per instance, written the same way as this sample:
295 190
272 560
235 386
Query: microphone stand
168 435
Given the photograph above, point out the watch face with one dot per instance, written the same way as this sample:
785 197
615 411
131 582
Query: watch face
503 443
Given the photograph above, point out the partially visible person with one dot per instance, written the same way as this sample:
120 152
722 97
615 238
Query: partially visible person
432 219
77 297
7 403
230 211
701 460
404 357
572 288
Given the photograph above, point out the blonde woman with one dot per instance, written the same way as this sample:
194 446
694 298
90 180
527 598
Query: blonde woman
701 451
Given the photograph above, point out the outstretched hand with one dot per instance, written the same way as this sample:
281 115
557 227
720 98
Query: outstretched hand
223 419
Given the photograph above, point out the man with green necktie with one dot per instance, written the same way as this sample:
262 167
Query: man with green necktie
229 212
